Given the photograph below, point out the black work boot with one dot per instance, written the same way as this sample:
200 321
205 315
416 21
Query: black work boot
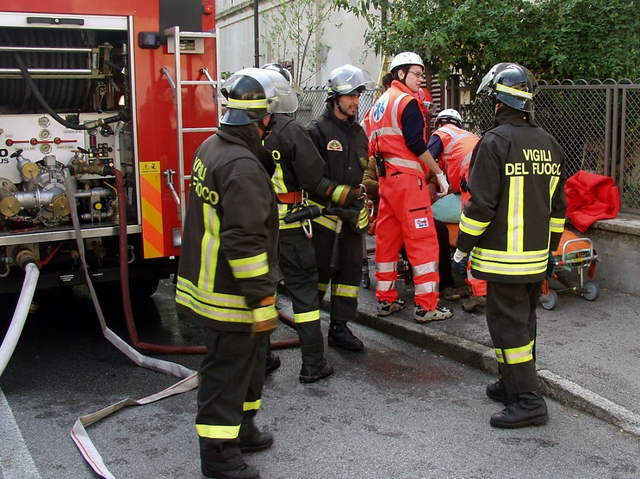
272 363
340 335
529 409
313 372
251 438
244 471
498 392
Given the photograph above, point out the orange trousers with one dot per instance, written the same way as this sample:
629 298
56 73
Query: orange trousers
405 217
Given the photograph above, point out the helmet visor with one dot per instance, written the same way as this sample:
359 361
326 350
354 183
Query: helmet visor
280 95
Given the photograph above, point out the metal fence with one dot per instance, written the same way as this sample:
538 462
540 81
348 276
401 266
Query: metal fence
597 124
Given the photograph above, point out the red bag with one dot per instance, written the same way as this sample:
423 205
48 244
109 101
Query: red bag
590 198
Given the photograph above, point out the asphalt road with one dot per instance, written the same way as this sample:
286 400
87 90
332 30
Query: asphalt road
393 411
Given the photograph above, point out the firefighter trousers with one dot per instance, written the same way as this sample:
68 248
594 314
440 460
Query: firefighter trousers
511 317
405 217
231 378
345 276
297 261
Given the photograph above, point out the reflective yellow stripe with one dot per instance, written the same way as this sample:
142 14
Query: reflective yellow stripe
209 248
515 214
328 221
519 355
306 317
252 406
250 267
245 104
265 313
323 287
509 263
216 306
218 432
514 91
556 225
471 226
344 290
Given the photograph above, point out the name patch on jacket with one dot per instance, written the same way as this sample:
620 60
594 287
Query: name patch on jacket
421 223
537 162
334 145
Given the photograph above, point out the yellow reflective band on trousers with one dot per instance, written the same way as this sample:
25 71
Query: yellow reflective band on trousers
252 406
251 267
509 263
265 313
515 214
306 317
344 290
209 247
218 432
515 355
323 287
472 227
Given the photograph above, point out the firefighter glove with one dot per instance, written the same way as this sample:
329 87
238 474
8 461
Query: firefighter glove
460 260
444 184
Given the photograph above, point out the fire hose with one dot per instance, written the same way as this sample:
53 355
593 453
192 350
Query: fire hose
32 273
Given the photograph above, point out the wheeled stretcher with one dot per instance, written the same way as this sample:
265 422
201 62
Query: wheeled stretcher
573 254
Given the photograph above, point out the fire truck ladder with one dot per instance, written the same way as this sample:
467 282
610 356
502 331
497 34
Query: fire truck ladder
177 39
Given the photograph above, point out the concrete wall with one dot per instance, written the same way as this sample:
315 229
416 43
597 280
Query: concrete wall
617 243
236 47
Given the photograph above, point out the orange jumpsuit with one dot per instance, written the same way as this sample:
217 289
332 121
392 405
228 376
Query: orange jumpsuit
404 214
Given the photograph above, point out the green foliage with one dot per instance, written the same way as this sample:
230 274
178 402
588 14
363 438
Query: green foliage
556 39
293 27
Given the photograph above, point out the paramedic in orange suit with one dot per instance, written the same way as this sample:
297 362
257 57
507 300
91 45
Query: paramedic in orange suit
396 132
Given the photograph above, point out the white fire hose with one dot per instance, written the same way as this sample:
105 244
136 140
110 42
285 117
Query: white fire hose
32 273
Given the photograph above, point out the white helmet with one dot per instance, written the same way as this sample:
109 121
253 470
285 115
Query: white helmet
405 58
449 116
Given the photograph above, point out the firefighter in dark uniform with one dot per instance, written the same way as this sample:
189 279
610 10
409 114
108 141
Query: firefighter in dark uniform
300 169
343 144
512 222
228 272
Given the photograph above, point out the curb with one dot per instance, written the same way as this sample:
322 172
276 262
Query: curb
482 357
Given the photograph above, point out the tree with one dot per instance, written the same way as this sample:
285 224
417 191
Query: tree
556 39
294 29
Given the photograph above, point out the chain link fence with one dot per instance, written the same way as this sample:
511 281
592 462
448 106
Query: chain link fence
597 124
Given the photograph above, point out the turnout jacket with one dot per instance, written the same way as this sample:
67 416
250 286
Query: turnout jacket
228 274
344 147
517 208
299 166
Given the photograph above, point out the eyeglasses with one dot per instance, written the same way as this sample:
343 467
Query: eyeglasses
418 74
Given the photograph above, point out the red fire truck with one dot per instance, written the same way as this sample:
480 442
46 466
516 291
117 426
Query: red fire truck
88 88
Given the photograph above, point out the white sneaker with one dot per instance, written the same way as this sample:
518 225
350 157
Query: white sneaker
421 315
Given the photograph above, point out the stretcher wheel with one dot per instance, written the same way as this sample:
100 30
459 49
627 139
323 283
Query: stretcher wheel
366 281
549 300
591 291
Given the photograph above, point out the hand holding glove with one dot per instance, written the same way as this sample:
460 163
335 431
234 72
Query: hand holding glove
460 261
444 184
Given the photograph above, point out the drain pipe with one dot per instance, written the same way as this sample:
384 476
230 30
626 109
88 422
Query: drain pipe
27 262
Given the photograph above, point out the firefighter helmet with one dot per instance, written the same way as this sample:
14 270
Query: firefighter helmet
449 116
405 58
253 93
349 80
276 67
511 84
